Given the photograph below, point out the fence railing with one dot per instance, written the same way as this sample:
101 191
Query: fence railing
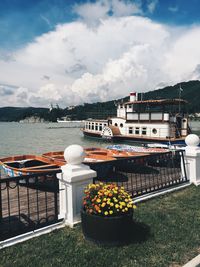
28 203
144 174
32 202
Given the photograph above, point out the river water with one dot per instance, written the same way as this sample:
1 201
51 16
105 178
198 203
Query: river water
37 138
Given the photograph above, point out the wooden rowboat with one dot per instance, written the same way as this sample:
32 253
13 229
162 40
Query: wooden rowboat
94 154
117 154
95 158
58 157
27 164
55 156
137 149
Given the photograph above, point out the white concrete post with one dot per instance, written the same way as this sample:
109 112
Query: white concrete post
74 178
192 158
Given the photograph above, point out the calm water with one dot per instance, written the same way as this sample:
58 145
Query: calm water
38 138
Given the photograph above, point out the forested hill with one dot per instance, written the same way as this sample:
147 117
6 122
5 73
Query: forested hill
191 93
18 113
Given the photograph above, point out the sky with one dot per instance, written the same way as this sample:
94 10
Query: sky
73 52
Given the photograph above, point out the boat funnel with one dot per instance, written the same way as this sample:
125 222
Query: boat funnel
133 97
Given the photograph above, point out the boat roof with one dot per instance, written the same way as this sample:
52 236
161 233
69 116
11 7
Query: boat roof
95 120
159 102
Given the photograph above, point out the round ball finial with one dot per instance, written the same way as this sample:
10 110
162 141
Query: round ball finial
74 154
192 140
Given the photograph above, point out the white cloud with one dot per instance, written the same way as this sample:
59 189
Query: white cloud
78 63
184 55
152 6
93 13
49 92
120 8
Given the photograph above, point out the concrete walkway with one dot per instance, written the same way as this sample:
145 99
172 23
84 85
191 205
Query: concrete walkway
194 262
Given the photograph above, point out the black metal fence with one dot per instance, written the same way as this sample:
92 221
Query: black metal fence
144 174
28 203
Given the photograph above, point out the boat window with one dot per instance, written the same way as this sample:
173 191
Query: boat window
92 126
130 106
89 126
137 130
116 124
144 131
105 124
121 106
121 125
130 130
154 131
100 127
96 127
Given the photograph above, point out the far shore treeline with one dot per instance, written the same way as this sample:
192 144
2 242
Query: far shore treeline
101 110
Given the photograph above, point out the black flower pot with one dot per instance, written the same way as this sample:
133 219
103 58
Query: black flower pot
112 231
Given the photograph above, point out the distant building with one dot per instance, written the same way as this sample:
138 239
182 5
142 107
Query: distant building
70 107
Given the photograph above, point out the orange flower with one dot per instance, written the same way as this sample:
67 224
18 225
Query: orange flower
96 208
107 200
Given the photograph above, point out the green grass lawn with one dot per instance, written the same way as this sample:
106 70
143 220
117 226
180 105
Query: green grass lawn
167 234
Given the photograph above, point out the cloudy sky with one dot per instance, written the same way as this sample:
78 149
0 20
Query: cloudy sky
71 52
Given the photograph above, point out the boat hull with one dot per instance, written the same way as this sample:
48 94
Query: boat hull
121 138
26 165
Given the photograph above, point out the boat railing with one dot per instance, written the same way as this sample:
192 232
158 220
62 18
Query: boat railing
28 203
144 174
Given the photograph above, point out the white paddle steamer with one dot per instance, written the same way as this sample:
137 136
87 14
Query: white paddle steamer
143 120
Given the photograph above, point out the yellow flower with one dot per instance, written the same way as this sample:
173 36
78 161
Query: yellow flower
110 197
